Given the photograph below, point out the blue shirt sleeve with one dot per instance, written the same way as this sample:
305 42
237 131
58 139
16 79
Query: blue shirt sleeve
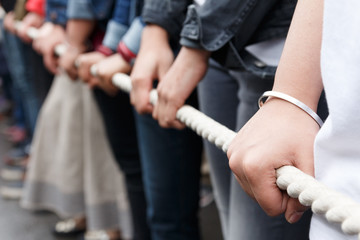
132 38
119 23
56 11
80 9
121 13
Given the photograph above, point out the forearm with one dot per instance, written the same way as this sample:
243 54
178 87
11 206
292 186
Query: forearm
79 31
154 34
299 73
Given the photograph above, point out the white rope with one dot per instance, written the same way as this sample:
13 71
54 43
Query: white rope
336 207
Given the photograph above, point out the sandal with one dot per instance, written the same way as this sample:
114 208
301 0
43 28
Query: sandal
102 235
70 227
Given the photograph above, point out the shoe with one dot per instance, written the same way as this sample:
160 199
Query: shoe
17 162
68 228
15 134
13 173
102 235
17 153
12 191
17 156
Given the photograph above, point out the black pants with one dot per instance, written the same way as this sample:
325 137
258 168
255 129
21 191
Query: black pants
120 128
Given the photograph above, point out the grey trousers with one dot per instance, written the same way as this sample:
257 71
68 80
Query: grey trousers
230 98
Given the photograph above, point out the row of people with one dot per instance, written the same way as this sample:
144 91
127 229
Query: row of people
231 49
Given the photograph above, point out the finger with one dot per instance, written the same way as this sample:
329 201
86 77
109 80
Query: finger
141 102
38 46
294 210
265 190
69 68
155 113
84 72
51 64
73 73
167 117
103 76
110 91
235 166
24 36
140 94
178 125
93 82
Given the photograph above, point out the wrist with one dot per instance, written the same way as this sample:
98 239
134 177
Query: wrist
78 33
309 98
155 35
295 102
196 53
78 47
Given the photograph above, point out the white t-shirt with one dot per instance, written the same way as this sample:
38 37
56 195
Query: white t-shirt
337 146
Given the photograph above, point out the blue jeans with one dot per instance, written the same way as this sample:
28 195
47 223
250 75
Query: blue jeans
18 57
171 173
231 99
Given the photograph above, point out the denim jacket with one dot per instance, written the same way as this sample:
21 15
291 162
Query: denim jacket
223 27
117 13
56 11
213 24
169 14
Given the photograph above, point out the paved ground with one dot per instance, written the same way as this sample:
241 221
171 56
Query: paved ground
19 224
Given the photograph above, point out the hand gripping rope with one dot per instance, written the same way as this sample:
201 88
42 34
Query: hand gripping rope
336 207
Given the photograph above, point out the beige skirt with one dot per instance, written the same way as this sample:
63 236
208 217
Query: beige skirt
72 170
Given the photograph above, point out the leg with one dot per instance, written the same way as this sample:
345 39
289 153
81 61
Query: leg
171 167
120 128
218 100
247 219
21 76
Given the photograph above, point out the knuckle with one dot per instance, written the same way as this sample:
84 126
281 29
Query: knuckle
235 161
249 165
163 124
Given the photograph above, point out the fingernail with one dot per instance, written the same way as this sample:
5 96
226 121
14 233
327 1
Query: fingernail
295 216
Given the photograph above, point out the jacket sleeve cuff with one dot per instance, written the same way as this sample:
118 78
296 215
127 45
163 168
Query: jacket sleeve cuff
114 32
190 33
153 12
132 38
80 9
190 43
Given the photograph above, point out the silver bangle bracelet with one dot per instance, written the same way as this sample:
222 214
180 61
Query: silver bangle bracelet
292 100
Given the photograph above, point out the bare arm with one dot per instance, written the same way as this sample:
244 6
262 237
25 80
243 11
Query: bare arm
153 61
280 133
77 35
